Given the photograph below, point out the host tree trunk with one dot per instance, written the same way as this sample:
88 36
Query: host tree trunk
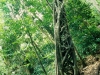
65 53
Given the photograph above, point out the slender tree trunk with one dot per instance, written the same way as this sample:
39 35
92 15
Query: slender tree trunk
65 53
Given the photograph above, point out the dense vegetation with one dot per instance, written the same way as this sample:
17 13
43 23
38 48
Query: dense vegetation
27 34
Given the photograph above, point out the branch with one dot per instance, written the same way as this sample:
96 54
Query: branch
49 4
81 59
44 31
34 45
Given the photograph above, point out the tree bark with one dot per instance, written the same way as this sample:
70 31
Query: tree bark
65 53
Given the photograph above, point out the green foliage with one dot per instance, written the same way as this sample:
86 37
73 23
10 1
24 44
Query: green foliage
83 26
18 55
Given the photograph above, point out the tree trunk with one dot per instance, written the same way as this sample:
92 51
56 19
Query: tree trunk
65 53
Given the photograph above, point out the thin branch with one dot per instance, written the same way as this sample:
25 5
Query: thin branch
49 5
81 59
35 47
44 31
